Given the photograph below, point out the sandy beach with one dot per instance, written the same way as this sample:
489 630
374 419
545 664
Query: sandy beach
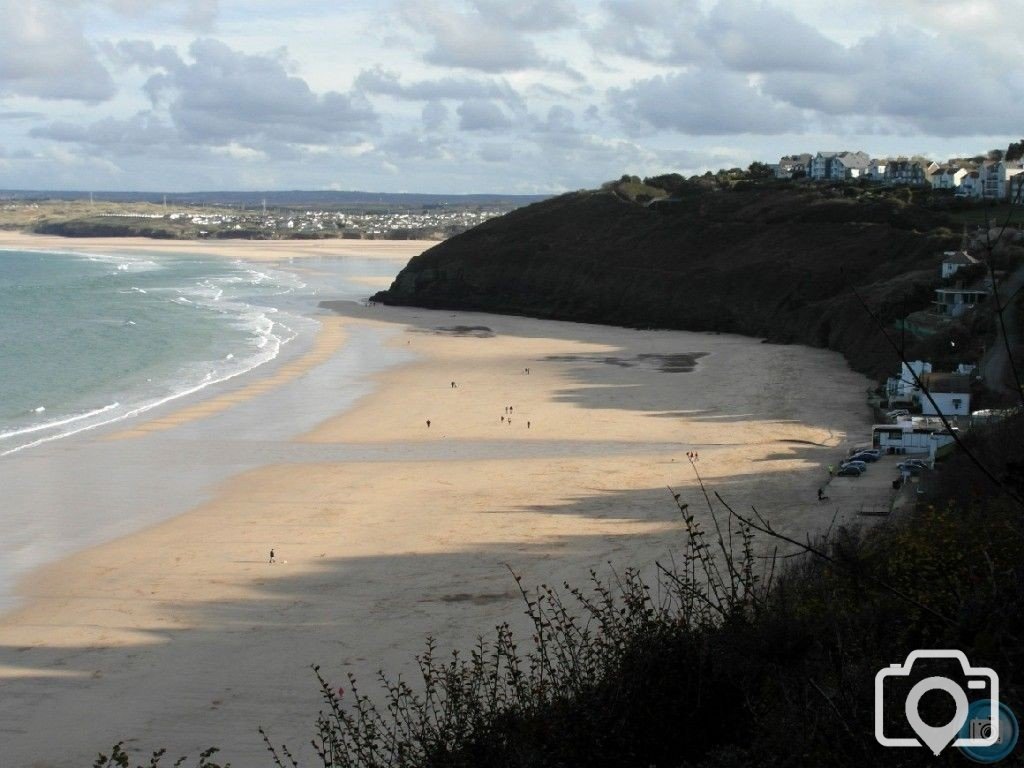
255 251
385 529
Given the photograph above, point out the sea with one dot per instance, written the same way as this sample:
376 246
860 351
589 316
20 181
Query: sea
88 339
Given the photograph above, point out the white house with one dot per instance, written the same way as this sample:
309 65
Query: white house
997 179
954 261
948 177
902 389
970 185
951 393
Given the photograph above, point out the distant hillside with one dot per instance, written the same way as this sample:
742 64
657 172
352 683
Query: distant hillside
776 262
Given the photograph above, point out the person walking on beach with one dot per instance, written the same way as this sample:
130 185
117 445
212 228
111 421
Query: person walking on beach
527 425
502 419
428 423
453 385
271 555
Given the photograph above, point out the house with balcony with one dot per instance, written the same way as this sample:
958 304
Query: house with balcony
954 302
998 178
820 165
913 173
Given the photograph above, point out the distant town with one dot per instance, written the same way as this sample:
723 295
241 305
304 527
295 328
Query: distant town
995 176
399 217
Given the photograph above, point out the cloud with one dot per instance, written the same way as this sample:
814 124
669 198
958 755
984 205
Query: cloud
559 121
137 135
489 36
382 82
495 152
193 14
13 115
224 95
435 116
414 146
752 36
528 15
44 53
660 31
702 102
481 115
912 81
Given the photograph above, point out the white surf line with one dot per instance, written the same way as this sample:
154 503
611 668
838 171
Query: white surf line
150 406
55 424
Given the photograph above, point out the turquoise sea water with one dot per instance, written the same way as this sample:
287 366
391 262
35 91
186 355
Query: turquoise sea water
88 339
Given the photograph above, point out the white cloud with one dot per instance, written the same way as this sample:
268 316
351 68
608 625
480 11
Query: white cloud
44 53
481 115
703 102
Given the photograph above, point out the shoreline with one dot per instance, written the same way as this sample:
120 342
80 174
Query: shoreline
388 530
248 250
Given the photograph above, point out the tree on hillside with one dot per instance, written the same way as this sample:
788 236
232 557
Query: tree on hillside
1015 151
759 170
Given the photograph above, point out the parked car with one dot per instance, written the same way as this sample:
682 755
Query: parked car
876 452
860 449
912 464
863 467
849 471
869 458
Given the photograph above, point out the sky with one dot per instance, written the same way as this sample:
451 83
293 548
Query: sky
505 96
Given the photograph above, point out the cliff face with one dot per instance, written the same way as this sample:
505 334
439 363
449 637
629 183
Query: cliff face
775 263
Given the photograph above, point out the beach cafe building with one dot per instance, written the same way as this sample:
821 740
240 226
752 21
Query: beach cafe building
920 438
